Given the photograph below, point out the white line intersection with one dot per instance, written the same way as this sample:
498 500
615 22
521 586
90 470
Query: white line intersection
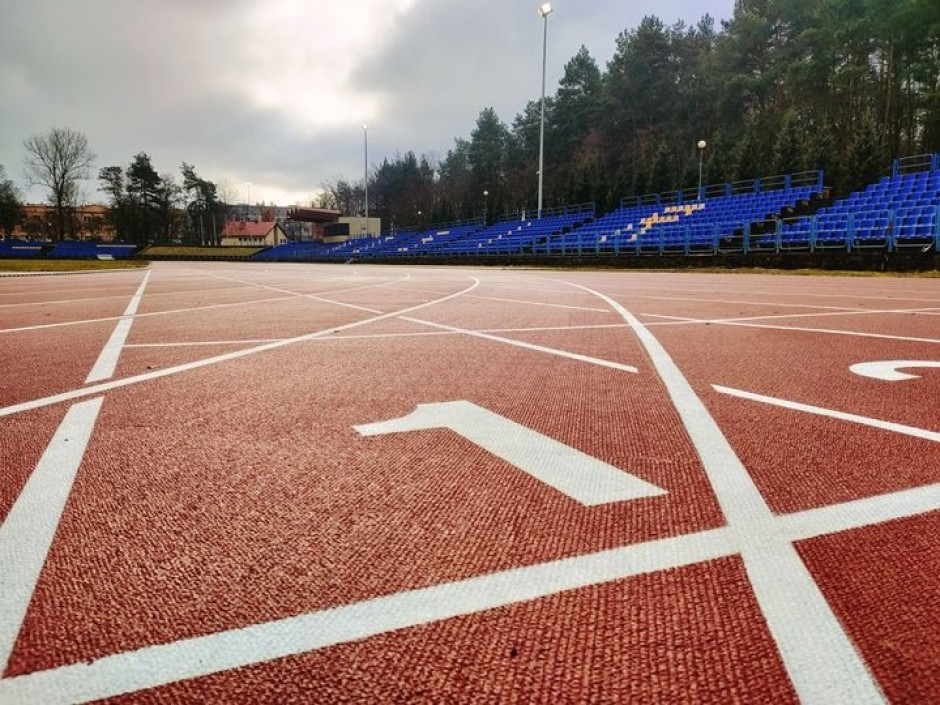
841 674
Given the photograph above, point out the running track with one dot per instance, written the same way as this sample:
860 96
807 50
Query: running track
304 483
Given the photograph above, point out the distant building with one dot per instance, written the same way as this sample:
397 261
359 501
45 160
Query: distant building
257 234
331 226
312 220
82 222
294 229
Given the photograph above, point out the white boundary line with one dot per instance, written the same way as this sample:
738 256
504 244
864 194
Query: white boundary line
831 413
205 362
291 295
194 309
682 319
368 336
870 295
108 358
839 309
108 298
27 532
528 346
819 656
221 651
153 666
679 320
541 303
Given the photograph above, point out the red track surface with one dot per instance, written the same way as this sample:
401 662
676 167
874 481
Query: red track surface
230 536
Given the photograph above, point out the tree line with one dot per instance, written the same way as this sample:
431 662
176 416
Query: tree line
144 206
783 86
149 207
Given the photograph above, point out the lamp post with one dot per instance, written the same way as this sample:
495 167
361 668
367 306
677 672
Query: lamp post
485 195
365 137
545 9
248 200
702 144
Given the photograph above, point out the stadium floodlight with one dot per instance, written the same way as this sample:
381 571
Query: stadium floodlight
485 196
545 9
702 144
365 180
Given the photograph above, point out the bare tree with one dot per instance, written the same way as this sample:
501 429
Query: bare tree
58 160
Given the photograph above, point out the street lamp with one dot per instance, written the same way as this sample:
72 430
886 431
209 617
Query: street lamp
248 199
365 135
485 195
702 144
545 9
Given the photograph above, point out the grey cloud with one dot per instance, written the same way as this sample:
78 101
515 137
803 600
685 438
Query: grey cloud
158 77
443 62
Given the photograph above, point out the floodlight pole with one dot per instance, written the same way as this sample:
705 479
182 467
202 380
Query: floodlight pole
702 144
365 136
544 11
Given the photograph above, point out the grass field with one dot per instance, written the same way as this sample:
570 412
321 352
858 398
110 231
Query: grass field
62 265
201 252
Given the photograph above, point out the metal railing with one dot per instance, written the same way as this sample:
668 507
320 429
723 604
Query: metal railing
733 188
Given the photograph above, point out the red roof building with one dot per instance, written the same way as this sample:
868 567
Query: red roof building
264 233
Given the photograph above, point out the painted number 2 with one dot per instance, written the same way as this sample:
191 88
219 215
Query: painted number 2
581 477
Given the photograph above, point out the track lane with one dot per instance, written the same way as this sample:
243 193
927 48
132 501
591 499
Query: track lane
573 384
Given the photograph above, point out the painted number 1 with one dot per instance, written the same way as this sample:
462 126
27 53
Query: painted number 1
581 477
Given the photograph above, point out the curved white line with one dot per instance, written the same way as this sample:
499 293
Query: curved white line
887 370
157 374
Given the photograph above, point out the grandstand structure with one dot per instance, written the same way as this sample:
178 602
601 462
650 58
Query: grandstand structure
67 249
778 214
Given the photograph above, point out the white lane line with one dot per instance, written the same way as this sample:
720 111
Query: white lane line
681 320
741 319
859 513
190 658
205 362
839 309
739 497
198 343
861 295
153 666
318 296
577 475
367 336
116 296
831 413
542 303
527 346
108 357
537 329
819 657
27 532
194 309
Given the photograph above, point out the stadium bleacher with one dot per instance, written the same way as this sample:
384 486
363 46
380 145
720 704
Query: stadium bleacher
20 249
77 249
899 211
776 214
687 222
516 234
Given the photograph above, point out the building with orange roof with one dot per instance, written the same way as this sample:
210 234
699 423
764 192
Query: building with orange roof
264 233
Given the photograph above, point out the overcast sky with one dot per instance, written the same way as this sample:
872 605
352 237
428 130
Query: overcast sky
275 92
